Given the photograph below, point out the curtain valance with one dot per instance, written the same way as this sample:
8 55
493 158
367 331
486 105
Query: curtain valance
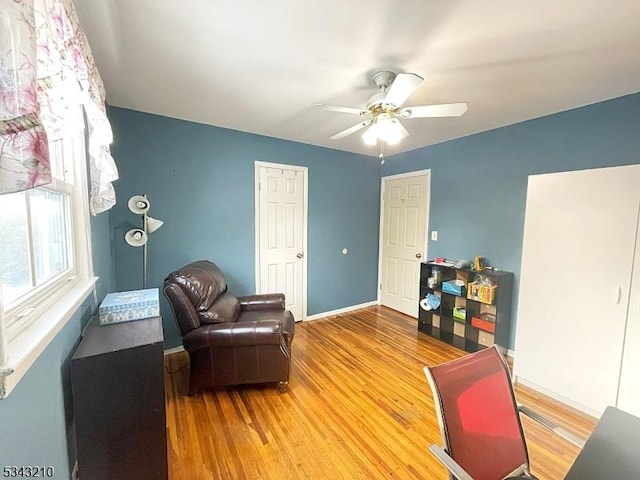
46 70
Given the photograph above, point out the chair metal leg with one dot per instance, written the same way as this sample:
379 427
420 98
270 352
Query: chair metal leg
282 386
548 424
528 473
456 471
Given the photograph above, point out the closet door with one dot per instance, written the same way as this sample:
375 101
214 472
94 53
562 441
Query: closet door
629 389
579 240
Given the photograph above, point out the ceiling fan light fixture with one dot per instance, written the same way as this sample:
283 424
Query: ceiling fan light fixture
384 129
392 138
389 130
370 135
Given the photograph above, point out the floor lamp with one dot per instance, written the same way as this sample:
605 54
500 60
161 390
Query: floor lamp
139 237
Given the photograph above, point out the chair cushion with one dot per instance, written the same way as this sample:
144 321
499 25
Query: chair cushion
225 309
202 283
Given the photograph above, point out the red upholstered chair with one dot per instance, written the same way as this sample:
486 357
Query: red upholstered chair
479 418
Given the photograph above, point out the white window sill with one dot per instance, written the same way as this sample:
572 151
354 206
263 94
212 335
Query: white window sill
23 351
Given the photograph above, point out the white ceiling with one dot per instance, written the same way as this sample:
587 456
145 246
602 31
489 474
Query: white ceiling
259 65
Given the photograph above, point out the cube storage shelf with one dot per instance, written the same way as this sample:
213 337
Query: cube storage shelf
442 324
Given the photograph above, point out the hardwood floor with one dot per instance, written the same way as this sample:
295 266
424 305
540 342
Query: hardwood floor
358 406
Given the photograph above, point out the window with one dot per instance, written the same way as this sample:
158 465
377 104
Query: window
45 257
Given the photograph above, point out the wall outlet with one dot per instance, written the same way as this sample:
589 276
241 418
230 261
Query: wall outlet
434 235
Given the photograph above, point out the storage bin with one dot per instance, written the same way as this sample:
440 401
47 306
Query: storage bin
127 306
481 292
454 287
459 314
483 324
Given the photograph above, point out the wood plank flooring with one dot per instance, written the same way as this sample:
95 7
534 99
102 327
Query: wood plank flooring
358 407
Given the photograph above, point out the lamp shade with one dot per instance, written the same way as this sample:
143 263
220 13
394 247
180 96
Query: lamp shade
138 204
384 128
389 131
136 237
153 224
370 136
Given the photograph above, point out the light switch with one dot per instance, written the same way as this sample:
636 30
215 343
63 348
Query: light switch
434 235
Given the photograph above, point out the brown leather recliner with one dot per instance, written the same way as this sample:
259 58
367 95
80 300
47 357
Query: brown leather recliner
230 340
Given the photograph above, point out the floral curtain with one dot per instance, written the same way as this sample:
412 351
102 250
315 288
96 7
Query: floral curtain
66 75
24 152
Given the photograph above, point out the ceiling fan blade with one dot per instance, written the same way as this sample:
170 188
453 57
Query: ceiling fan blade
336 108
444 110
350 130
403 86
403 131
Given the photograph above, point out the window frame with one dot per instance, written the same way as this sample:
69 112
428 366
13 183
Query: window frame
30 323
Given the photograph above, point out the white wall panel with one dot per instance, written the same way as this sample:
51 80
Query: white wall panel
579 239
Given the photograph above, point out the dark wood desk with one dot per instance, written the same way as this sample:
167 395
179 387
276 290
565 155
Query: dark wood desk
612 450
117 379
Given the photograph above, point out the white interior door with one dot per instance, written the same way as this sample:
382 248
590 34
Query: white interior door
579 237
281 231
405 206
629 388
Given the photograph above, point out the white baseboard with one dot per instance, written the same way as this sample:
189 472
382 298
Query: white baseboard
177 349
340 310
559 398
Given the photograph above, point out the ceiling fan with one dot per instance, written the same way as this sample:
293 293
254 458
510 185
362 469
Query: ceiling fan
383 111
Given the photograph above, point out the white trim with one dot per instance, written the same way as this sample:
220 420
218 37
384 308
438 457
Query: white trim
559 398
256 195
80 209
23 351
339 311
383 181
171 351
415 173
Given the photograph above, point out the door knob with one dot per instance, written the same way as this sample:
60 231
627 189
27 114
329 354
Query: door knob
418 255
300 255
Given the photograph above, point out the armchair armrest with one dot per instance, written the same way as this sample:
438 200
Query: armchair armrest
550 425
259 332
268 301
443 457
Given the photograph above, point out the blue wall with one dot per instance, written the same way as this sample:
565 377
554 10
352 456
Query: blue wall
479 182
36 418
200 182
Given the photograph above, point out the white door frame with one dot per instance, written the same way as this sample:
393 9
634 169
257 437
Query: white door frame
383 181
305 207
